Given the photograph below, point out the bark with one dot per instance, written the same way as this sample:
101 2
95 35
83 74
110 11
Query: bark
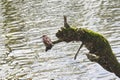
95 43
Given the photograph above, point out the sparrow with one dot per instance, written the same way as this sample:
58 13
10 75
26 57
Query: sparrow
47 42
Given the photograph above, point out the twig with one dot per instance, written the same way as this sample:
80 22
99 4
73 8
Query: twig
78 51
57 41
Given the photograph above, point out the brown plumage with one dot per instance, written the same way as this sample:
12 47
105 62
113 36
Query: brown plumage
47 41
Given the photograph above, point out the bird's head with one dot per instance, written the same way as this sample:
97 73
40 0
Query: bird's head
44 36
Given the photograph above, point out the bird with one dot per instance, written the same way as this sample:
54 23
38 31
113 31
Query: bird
65 22
47 42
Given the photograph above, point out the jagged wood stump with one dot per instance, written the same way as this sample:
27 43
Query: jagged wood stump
99 48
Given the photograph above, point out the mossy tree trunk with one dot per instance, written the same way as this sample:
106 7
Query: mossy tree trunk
99 48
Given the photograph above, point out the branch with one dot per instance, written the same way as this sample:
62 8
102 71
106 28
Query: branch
78 51
57 41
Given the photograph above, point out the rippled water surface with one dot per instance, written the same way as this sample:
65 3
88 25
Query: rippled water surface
23 22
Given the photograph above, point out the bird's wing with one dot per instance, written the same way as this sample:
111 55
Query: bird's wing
47 40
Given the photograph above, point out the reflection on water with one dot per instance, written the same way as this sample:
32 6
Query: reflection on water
23 22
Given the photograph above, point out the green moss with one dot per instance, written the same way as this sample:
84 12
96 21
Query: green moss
100 43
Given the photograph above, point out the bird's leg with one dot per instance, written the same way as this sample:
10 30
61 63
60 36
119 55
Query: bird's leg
92 57
78 51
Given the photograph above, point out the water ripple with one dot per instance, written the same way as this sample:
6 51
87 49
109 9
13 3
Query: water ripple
23 22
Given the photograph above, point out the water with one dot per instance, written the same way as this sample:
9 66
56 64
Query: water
23 22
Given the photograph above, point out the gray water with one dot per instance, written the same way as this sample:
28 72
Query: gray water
23 22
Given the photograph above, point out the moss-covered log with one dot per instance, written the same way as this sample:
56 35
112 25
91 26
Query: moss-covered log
99 48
